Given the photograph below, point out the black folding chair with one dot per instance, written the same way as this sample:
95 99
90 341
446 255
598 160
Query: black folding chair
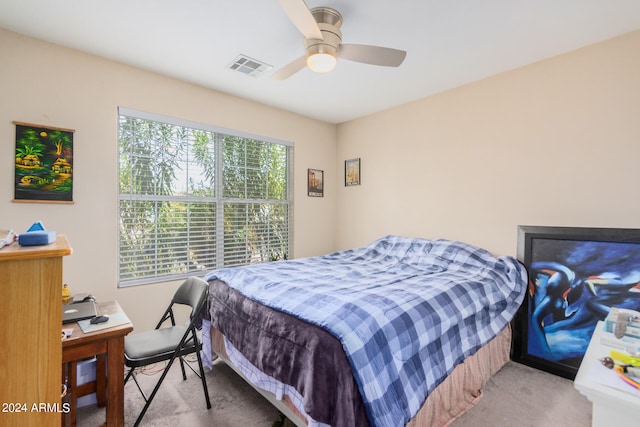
169 343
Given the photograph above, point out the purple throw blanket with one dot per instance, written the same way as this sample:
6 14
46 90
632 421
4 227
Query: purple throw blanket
292 351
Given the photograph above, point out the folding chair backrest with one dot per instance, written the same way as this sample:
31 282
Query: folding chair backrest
193 293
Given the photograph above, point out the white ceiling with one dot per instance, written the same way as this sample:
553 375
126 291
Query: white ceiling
448 42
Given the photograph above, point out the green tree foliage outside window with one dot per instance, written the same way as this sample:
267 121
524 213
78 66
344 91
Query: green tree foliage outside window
192 200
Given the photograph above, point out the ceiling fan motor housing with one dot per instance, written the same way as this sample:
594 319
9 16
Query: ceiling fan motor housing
329 22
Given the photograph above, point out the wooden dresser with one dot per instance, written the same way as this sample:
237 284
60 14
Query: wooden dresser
30 335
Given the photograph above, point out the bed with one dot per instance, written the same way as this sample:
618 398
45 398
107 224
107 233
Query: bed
401 332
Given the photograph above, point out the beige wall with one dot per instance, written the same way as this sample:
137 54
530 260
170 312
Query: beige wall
553 143
45 84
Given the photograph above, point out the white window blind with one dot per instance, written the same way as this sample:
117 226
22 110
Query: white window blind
193 198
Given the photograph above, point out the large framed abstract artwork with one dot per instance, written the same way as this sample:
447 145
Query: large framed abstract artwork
43 164
575 276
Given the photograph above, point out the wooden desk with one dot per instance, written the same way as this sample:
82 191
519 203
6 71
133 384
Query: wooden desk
108 345
615 403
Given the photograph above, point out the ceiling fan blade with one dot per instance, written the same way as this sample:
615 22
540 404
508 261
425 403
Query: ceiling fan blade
290 69
375 55
302 18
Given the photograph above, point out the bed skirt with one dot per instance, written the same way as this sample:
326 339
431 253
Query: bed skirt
453 397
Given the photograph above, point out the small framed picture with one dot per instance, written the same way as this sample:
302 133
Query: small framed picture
352 172
315 183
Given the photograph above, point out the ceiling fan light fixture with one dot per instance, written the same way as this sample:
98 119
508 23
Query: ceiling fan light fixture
321 62
321 57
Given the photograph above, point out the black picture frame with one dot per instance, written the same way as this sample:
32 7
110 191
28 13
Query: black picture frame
576 274
315 183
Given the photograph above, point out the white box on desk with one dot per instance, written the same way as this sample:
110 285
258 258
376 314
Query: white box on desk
85 373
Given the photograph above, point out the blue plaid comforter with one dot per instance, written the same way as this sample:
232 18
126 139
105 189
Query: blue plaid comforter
407 311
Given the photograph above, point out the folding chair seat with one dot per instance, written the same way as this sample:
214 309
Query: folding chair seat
169 343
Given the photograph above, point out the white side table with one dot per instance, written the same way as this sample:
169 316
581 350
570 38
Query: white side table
615 403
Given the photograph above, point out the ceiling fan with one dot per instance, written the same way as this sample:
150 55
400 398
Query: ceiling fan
323 45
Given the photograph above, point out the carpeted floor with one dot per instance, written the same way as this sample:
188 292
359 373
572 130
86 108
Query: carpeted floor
181 403
516 395
526 397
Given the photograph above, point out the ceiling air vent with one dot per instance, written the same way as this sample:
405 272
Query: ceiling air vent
249 66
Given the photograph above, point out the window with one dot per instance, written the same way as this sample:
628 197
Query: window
193 198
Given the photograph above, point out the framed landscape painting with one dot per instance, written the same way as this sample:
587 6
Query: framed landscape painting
43 164
576 275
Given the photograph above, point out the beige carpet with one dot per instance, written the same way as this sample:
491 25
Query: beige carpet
516 396
181 403
525 397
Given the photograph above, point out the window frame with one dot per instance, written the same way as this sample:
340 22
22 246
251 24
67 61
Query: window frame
219 200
